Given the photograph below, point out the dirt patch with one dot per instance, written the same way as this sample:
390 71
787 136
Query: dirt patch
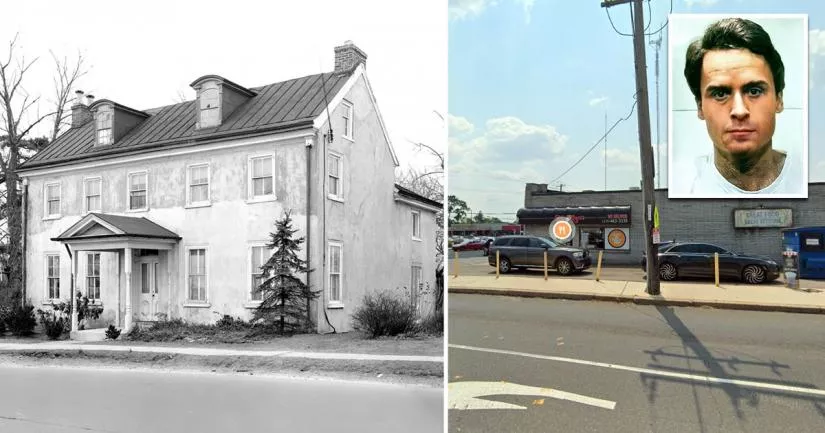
424 373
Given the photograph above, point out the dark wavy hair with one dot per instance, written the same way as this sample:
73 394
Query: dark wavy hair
731 34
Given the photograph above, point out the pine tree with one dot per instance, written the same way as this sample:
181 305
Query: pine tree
284 295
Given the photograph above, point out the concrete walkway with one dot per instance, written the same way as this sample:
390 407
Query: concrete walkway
809 298
204 351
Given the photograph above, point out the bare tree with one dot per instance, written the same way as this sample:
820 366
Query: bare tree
19 116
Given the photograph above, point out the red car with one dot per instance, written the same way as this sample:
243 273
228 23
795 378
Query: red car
470 245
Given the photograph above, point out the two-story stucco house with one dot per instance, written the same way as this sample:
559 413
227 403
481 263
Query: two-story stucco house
166 212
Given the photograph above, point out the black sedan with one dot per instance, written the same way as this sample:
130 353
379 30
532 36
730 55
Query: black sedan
691 259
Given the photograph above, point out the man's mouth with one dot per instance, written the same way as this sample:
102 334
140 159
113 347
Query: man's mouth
741 133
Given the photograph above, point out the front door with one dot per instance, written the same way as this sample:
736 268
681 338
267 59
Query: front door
149 270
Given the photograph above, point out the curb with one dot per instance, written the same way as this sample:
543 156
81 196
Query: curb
639 300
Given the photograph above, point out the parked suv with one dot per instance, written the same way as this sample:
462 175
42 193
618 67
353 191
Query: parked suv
523 251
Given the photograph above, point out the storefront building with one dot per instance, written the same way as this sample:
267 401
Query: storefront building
613 221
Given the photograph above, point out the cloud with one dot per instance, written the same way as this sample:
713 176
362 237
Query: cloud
459 125
690 3
463 9
597 101
816 45
622 159
528 9
468 9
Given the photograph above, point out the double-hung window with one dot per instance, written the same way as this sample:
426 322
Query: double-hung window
335 169
103 124
347 120
93 275
416 285
198 184
336 289
416 225
196 262
53 276
260 255
261 177
91 195
52 193
138 191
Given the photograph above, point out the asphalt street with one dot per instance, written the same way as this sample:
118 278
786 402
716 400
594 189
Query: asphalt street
73 400
576 366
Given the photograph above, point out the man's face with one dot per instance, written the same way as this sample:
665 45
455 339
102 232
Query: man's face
738 101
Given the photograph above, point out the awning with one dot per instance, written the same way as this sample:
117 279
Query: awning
618 216
98 231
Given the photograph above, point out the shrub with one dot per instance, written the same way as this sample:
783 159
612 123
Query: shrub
433 323
112 333
53 325
20 320
382 313
2 326
84 310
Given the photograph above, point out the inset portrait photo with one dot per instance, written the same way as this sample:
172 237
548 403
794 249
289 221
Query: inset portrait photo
738 106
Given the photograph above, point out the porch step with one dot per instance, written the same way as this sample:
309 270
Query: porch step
89 335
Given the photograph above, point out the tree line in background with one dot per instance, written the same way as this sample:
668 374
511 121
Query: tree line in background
460 213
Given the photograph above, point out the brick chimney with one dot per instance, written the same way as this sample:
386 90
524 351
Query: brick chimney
348 56
80 112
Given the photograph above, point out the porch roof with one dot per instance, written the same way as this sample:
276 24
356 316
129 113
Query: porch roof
100 226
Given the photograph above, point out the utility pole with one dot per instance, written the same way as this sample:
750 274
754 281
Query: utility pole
658 44
645 148
605 149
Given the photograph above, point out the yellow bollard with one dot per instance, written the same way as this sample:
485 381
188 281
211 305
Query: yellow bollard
545 265
716 267
497 264
455 264
599 266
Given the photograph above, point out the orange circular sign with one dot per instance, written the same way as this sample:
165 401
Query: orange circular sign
616 238
562 230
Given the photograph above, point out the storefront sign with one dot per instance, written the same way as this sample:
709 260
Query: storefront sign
617 239
562 230
750 218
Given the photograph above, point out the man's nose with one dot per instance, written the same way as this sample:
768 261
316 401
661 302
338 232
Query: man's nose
739 111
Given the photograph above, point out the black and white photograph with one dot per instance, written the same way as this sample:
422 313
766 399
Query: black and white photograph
738 106
222 217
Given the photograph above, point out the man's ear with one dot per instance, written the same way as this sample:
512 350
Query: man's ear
699 113
779 104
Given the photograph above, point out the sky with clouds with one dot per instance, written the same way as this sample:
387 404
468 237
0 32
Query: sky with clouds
144 55
532 89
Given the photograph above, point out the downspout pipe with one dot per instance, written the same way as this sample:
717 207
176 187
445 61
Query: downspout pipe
25 228
308 144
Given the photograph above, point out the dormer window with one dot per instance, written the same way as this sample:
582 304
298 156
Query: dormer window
103 123
218 98
210 109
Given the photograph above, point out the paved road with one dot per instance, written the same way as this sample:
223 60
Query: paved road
663 369
52 400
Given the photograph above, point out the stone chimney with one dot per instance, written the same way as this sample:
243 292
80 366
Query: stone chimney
80 112
89 99
348 56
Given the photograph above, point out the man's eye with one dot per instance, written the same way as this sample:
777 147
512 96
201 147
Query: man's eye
718 93
755 91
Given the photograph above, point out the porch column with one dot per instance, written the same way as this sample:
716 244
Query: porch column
128 323
168 255
73 292
119 296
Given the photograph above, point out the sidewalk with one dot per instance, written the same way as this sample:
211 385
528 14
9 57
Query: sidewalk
809 298
205 351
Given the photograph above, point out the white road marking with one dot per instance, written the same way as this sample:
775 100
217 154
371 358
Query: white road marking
693 377
465 395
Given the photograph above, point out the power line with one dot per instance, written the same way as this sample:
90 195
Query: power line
663 25
649 19
632 107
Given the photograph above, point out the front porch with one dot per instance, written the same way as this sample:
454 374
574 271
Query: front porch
145 257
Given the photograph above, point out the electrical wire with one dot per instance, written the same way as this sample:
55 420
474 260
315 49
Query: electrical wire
632 108
663 25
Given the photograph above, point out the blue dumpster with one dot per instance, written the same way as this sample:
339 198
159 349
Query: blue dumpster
809 244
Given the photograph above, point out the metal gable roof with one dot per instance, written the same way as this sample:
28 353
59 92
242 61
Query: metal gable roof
124 227
279 106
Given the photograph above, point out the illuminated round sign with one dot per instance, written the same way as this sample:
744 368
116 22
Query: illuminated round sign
562 230
616 238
